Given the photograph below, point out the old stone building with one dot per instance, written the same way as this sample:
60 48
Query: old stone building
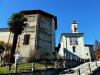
73 47
38 38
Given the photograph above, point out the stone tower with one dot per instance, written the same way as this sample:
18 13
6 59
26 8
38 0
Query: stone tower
38 38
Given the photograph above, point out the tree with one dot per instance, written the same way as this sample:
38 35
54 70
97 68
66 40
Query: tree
97 49
97 45
2 46
5 52
16 24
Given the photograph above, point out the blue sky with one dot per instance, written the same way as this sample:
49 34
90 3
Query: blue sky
85 12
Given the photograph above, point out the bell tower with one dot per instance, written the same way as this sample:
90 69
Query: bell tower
74 28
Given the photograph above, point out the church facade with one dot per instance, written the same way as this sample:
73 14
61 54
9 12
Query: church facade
73 47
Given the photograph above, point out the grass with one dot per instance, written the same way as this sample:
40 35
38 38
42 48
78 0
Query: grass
5 69
27 67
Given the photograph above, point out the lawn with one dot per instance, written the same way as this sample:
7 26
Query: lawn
26 67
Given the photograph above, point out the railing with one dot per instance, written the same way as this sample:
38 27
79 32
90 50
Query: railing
25 65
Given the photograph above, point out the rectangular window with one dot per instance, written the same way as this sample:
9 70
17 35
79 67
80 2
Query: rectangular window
26 39
74 49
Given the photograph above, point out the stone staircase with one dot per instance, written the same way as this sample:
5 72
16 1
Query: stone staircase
84 69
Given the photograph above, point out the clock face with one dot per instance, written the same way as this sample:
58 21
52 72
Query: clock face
73 41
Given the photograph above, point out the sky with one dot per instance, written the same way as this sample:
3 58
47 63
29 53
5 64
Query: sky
85 12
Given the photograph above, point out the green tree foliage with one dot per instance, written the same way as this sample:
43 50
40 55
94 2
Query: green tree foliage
4 46
5 52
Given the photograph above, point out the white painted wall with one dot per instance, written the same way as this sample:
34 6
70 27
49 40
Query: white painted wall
61 50
87 53
81 50
5 35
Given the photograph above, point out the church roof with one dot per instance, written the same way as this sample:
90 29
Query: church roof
72 34
89 45
27 12
74 22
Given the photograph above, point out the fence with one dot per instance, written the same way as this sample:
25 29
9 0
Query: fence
25 65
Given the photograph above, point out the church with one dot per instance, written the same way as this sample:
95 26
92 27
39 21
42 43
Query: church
72 46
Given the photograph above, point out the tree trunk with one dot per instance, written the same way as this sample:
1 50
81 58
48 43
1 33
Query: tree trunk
13 47
13 50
